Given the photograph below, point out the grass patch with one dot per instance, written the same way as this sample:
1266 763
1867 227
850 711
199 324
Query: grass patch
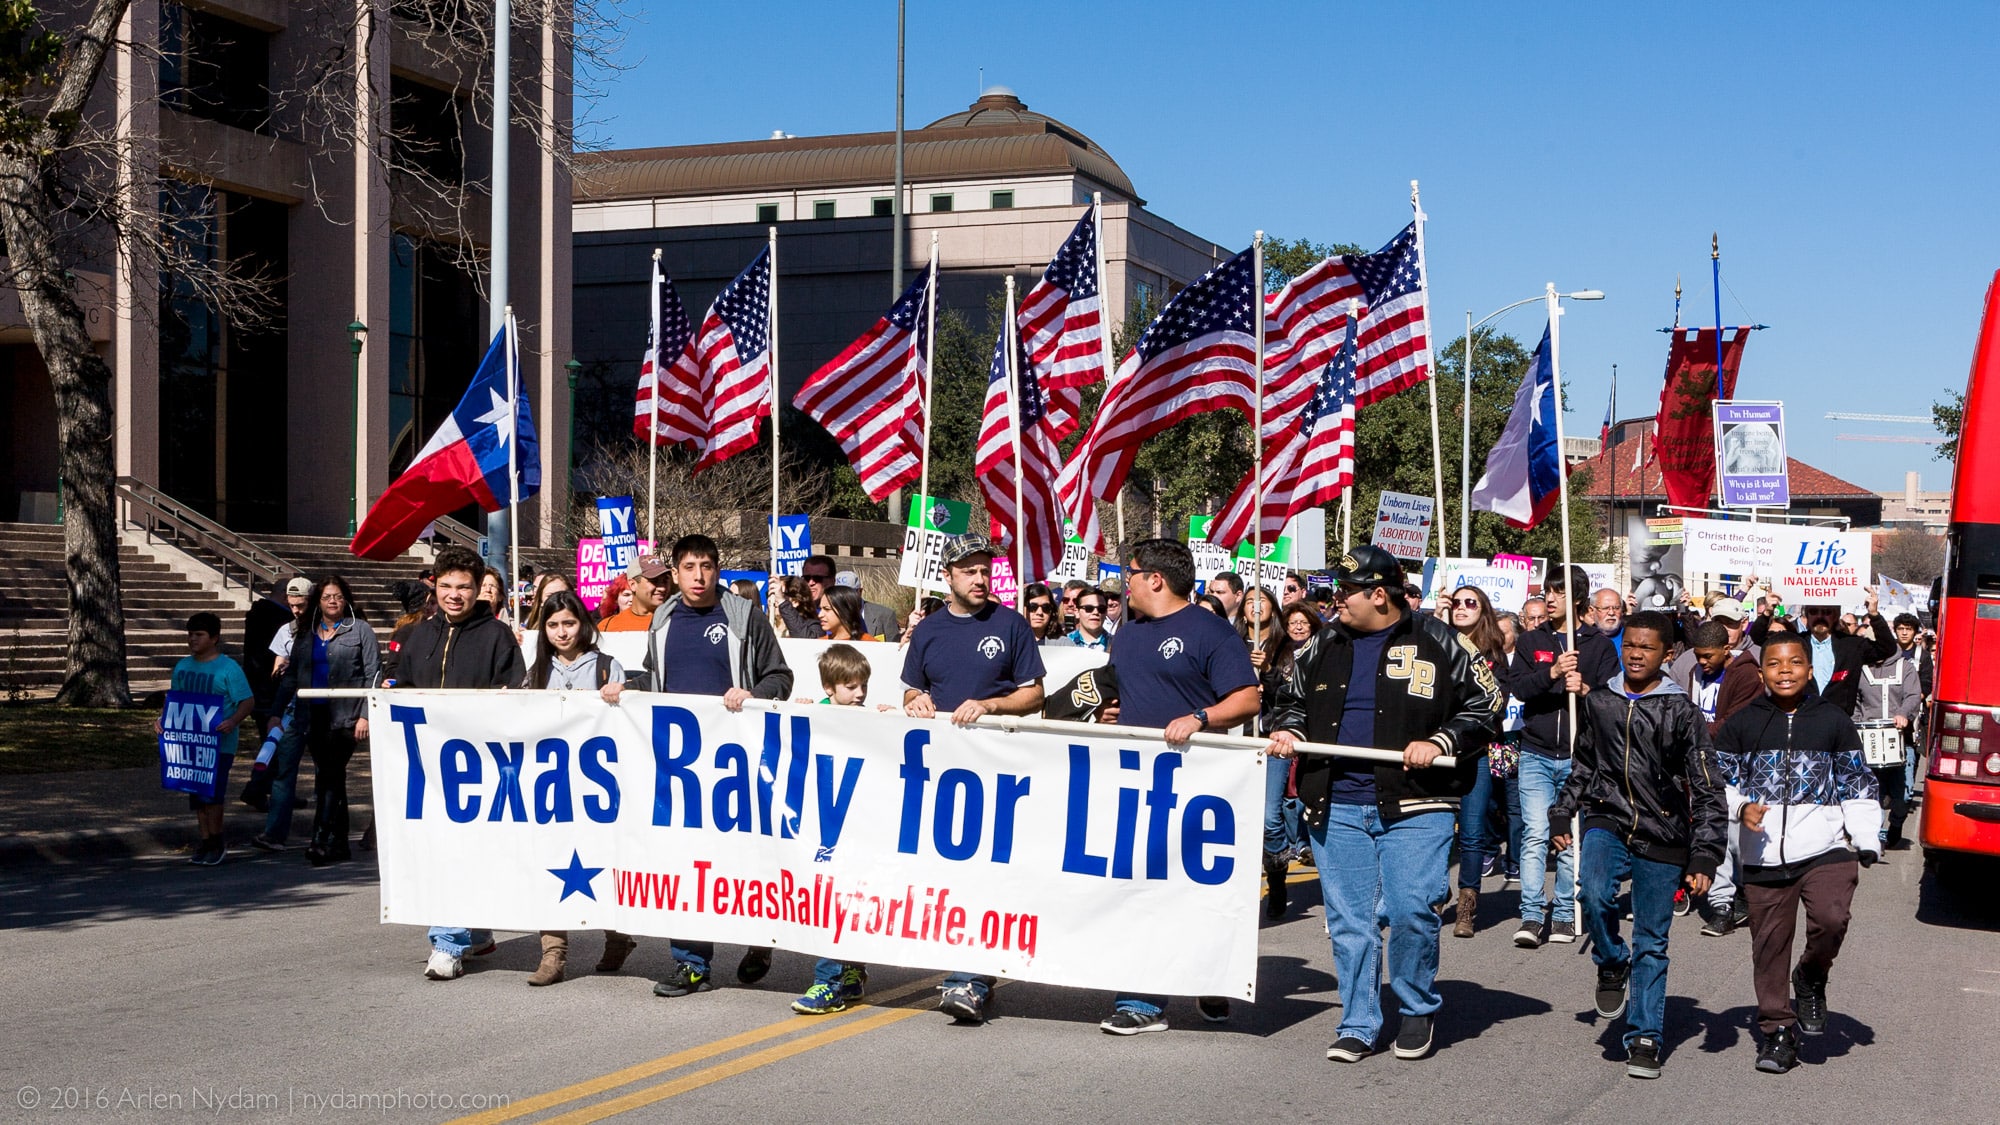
42 738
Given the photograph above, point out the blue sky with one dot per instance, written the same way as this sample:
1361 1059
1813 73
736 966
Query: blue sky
1845 152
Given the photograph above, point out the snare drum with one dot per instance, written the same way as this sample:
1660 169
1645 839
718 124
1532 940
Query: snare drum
1881 743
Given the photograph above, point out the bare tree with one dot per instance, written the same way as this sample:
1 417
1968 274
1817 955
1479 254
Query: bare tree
1910 556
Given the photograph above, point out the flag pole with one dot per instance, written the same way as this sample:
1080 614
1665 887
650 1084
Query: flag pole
1430 368
513 464
1104 329
1012 366
930 324
653 431
1353 462
1257 437
771 533
1715 273
1562 486
498 524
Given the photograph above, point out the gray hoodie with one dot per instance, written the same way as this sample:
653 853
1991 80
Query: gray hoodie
756 664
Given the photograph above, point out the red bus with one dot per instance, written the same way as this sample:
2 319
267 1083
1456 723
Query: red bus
1961 806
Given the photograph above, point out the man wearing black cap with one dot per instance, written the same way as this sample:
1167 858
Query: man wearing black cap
1383 676
976 658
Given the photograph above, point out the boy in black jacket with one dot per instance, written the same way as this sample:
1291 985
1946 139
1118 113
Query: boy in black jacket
1653 810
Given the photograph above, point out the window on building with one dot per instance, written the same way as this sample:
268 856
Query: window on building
823 209
214 68
1002 200
767 212
883 206
426 130
940 202
435 318
1142 294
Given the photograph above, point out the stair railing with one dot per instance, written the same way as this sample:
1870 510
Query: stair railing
146 508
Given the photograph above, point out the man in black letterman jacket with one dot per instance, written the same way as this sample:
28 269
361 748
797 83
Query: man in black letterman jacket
1385 677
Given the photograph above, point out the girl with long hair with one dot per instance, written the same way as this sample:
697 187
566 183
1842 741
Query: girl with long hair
1271 652
617 596
1038 605
840 615
1471 613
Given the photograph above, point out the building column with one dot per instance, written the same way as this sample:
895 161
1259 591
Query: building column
135 347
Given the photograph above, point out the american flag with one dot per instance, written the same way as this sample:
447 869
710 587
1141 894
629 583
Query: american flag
1061 318
870 397
1302 320
670 330
721 384
1041 532
1310 462
1199 354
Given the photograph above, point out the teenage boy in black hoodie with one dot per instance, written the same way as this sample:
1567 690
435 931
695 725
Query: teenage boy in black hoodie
1651 799
1808 821
1542 674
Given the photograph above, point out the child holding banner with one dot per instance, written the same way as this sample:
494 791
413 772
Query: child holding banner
843 676
204 671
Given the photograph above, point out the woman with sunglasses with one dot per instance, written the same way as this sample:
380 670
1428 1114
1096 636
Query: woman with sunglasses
1271 649
1472 615
1038 605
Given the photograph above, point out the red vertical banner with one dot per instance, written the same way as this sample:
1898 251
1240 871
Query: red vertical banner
1684 433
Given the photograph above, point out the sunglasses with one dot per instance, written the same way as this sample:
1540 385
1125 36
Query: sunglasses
1466 603
822 579
1089 607
1041 607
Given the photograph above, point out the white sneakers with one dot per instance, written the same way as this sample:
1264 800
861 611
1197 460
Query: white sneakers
443 966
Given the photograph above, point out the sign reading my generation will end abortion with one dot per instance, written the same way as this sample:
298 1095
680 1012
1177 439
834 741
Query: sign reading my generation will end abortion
190 751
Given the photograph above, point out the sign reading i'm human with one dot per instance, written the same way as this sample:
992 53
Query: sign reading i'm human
1750 466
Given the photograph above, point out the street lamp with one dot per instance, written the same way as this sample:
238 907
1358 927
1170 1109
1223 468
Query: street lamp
573 368
355 331
1465 441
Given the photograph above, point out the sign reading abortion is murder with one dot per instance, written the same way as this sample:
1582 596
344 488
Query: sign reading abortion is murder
1403 524
190 751
830 831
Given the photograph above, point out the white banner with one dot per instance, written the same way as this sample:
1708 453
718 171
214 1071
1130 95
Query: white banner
1805 565
1506 588
1096 862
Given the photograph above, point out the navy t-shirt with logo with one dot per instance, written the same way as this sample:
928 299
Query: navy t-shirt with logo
1354 778
696 655
985 655
1169 667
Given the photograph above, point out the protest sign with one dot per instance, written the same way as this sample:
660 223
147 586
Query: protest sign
1403 524
1522 563
1805 565
1750 466
931 522
1076 563
594 570
191 760
1279 555
1507 589
761 577
1001 585
791 541
621 531
837 832
1603 576
1439 576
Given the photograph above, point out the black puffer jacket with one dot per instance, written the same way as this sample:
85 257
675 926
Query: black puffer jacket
478 652
1432 685
1644 770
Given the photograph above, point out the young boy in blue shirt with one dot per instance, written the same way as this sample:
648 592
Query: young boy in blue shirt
205 671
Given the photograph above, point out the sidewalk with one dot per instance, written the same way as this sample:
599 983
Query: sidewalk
103 814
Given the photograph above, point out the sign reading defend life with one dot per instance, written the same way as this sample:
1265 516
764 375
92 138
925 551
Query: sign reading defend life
835 832
931 522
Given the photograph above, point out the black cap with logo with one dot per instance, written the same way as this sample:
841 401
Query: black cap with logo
1368 565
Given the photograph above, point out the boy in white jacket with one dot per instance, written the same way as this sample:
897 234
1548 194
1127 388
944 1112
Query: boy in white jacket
1807 819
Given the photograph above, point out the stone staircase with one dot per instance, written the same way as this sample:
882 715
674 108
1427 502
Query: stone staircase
34 612
373 582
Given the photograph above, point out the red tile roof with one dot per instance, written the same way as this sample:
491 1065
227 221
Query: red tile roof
1808 483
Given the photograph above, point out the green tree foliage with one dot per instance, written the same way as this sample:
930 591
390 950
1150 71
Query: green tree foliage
1948 416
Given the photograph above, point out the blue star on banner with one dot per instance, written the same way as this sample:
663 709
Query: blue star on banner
576 877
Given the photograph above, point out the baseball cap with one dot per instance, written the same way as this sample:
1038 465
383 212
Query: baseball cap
1368 565
959 548
1112 584
298 588
848 579
649 566
1728 608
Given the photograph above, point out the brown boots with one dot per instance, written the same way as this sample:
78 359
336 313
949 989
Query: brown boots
617 947
555 956
1468 909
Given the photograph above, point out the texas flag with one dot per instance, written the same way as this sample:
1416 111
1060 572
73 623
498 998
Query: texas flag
468 460
1524 472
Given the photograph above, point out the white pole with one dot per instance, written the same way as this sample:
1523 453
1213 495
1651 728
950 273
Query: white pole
1465 453
653 431
930 382
1104 331
1562 502
1430 367
1012 366
1353 463
1347 518
1257 437
513 464
777 407
498 533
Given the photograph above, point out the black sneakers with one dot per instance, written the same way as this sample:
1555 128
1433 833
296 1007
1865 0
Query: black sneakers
1565 932
1214 1009
1717 923
1348 1049
756 962
1532 935
1780 1052
683 980
1809 1001
1642 1059
1131 1021
965 1003
1413 1039
1611 990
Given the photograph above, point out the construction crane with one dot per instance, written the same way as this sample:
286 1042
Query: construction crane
1901 419
1889 437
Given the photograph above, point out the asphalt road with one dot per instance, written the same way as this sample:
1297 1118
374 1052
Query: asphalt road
150 990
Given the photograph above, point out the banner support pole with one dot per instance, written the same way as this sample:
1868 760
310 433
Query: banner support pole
777 408
1430 368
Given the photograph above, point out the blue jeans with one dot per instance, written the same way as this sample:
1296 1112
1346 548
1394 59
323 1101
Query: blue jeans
1541 779
285 778
979 984
1373 874
456 940
826 970
1281 813
1607 862
1514 825
1472 844
695 954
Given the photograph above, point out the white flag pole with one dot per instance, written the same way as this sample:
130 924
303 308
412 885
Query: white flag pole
1012 365
777 407
1257 436
653 430
930 315
1104 330
1353 459
1430 369
513 464
1569 613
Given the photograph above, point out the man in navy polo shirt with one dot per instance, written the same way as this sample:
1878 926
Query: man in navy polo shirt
976 658
1181 670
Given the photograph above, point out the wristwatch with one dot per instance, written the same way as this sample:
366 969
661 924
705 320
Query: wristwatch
1202 716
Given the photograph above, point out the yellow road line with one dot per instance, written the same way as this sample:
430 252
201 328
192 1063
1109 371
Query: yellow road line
664 1063
638 1098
